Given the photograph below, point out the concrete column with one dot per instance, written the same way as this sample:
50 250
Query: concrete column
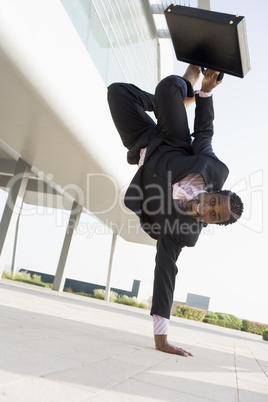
12 209
204 4
60 276
13 265
108 282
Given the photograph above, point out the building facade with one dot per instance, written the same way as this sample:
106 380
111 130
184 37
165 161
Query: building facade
120 37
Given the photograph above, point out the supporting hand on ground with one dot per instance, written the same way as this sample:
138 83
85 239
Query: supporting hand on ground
161 343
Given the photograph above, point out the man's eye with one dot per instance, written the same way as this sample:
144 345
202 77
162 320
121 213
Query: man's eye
213 215
213 201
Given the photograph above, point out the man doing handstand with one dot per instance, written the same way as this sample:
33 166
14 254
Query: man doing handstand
177 188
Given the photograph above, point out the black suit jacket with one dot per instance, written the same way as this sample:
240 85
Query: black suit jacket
150 197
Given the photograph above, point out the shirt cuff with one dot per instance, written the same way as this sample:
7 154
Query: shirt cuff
204 94
160 325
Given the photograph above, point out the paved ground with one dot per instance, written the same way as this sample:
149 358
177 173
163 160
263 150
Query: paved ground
62 347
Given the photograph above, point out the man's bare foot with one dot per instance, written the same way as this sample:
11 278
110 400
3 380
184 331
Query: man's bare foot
161 343
192 74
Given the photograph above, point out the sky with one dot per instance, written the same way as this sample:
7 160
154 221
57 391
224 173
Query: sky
228 264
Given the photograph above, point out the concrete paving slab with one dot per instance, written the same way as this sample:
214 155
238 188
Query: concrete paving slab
174 375
41 390
138 391
63 347
251 392
103 374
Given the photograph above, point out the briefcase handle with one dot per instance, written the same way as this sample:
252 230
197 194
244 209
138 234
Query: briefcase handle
220 76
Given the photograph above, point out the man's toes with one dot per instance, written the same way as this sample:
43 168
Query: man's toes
185 353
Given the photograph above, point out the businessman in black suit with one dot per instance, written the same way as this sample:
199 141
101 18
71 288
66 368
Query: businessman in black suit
177 188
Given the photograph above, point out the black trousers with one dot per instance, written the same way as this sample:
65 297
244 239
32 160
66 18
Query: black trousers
128 106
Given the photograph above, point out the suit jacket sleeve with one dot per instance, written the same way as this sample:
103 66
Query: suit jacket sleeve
203 127
166 270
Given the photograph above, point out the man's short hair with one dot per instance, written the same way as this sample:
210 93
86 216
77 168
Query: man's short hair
236 206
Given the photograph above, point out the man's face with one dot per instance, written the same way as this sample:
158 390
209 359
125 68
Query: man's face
209 207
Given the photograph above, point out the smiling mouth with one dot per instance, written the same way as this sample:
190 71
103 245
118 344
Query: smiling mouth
197 208
194 208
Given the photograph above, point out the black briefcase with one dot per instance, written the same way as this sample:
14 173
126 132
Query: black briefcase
209 39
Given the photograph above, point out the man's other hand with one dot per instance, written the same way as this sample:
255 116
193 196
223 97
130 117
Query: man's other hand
209 81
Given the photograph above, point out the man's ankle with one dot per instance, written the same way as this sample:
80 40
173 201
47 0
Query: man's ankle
160 341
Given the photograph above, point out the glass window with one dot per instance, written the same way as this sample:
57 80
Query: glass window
120 38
